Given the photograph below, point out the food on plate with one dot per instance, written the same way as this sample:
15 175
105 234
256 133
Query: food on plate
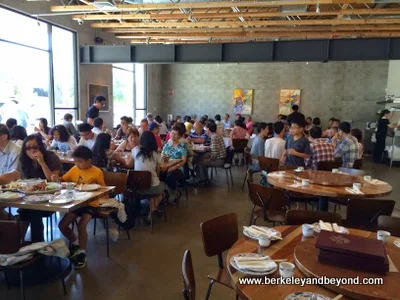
41 187
11 185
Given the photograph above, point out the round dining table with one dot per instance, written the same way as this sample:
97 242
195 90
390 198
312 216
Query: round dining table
302 252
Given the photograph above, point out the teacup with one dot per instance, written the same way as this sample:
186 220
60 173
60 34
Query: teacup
300 169
264 241
383 235
305 182
367 178
286 269
356 186
307 229
281 173
335 170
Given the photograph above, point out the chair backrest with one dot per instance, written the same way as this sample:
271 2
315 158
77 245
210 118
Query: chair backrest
287 168
358 163
139 180
10 241
364 213
354 172
253 188
219 234
268 197
189 283
328 165
298 217
390 224
268 164
239 144
116 179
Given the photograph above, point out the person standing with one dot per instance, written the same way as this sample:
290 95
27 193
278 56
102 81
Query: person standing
274 147
94 110
346 145
321 150
249 125
381 133
295 115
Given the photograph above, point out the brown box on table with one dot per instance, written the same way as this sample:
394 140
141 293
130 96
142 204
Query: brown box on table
352 252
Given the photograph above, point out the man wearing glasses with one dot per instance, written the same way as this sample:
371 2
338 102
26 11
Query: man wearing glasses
94 110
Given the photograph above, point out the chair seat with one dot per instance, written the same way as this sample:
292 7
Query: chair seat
221 276
105 212
272 215
339 201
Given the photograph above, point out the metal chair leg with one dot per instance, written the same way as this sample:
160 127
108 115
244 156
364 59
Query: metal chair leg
244 181
151 222
209 289
21 282
94 226
230 172
62 276
127 233
107 237
252 215
227 179
51 227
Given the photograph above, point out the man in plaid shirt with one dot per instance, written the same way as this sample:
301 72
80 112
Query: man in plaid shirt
347 146
321 150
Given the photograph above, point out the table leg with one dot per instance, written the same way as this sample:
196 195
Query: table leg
323 204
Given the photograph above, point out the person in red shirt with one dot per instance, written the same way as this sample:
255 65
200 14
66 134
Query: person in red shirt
249 125
155 129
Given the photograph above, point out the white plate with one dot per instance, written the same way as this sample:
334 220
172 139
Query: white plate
305 296
38 198
64 184
11 196
298 170
342 229
250 272
397 243
277 235
87 187
61 201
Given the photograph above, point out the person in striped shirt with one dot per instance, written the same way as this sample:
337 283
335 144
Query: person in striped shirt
321 150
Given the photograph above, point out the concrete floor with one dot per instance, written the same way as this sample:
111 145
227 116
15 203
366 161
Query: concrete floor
148 266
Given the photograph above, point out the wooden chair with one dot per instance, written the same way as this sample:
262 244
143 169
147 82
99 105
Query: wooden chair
119 181
10 243
299 217
239 145
268 203
353 172
219 234
328 165
248 161
189 282
364 213
390 224
141 180
268 164
358 164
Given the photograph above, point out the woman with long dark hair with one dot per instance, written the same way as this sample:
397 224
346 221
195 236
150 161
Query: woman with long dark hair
36 162
101 151
62 140
381 133
18 134
43 129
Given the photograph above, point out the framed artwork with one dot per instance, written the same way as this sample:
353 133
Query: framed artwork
288 98
94 90
243 101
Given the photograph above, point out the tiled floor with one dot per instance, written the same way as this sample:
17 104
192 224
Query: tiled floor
148 266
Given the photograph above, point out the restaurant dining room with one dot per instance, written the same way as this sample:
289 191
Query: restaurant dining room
199 149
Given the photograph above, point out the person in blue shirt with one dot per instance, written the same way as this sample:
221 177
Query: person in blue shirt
227 123
199 135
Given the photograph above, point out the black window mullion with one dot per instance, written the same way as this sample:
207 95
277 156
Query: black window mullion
51 72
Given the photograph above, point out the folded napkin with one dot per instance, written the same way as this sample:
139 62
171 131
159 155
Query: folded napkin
353 191
295 185
376 181
397 243
261 231
275 175
81 196
261 265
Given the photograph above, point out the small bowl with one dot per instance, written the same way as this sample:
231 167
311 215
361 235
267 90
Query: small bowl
356 186
383 236
335 170
263 241
367 178
308 230
286 269
305 182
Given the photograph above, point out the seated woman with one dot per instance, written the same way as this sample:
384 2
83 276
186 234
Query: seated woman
102 153
43 130
132 141
122 131
146 158
238 132
61 139
175 149
18 134
36 162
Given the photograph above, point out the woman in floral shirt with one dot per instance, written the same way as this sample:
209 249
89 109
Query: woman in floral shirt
175 149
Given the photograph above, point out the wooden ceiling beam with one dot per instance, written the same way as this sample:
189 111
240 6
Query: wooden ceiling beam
239 4
332 22
178 16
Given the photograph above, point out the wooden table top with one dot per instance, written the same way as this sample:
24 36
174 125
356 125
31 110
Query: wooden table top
369 190
327 178
46 206
285 249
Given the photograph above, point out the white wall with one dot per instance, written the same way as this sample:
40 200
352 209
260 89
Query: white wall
393 82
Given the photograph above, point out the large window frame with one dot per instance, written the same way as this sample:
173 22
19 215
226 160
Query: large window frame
51 90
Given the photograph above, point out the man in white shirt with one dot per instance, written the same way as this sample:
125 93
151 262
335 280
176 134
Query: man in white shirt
161 125
88 138
274 147
98 126
144 126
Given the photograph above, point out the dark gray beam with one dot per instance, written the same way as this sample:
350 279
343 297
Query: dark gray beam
279 51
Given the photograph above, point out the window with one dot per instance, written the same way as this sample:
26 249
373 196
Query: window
37 73
129 92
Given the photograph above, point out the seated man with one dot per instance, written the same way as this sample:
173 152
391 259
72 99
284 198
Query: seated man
321 150
346 145
98 126
144 126
88 138
199 135
274 147
257 148
9 161
217 156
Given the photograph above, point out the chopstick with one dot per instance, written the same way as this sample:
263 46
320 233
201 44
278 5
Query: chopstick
337 297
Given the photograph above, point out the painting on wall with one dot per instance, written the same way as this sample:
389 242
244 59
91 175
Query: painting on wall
94 90
243 101
287 99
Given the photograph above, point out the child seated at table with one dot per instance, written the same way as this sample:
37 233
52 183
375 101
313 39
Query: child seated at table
82 173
